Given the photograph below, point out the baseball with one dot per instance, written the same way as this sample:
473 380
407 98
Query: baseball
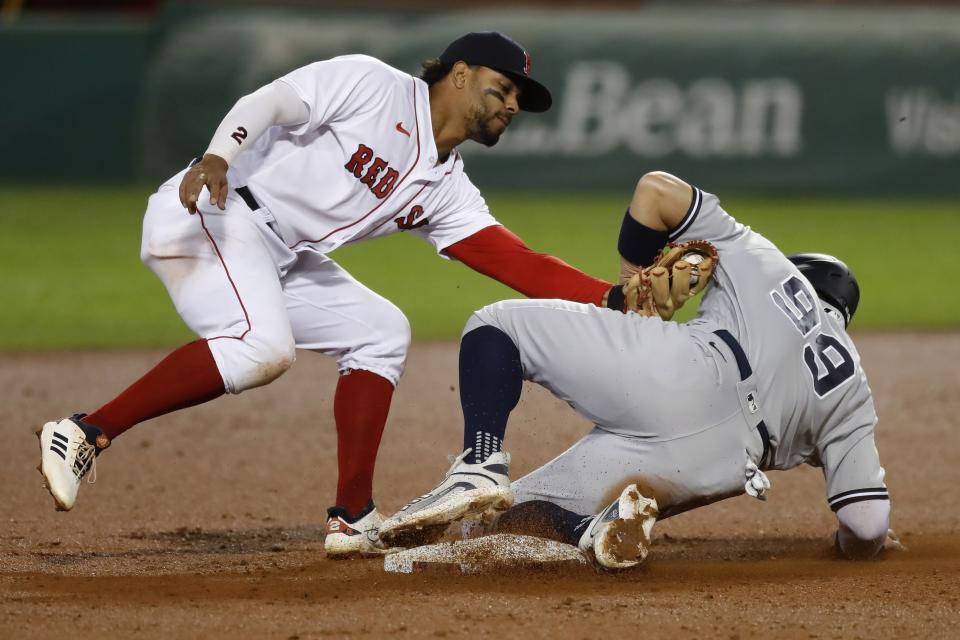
693 259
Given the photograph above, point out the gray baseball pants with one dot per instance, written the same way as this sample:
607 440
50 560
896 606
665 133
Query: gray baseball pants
671 412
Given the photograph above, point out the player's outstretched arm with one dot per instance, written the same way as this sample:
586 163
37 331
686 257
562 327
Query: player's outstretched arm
275 104
500 254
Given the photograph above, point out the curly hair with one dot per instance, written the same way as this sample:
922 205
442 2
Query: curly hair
434 71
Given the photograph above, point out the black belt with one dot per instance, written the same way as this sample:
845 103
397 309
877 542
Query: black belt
244 192
745 372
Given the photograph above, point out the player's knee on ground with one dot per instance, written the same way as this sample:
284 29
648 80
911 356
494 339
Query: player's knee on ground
863 528
384 348
254 361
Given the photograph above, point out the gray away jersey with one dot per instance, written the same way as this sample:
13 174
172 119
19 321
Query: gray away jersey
813 393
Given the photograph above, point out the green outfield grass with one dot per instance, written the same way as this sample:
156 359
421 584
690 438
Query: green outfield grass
70 275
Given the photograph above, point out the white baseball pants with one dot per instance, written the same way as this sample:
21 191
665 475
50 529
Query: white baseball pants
236 284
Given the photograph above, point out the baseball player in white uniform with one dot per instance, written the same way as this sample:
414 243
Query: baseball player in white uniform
336 152
765 377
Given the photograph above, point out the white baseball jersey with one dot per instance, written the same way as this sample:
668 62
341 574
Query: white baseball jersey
363 165
254 279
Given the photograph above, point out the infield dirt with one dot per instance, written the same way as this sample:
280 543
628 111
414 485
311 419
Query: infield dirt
208 522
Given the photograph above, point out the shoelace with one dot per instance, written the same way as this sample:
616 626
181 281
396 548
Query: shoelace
85 461
455 460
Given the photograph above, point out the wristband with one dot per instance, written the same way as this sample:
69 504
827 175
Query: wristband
615 298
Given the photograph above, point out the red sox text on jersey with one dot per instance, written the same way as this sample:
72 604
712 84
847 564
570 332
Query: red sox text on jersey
382 185
379 185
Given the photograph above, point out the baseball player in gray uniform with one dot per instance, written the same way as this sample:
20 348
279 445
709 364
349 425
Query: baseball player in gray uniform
765 377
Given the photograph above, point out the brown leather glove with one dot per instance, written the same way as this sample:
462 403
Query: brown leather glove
683 271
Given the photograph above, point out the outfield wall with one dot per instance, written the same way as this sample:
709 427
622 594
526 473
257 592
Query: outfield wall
776 100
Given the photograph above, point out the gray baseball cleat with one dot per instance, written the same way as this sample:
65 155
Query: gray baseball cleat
68 451
468 491
619 536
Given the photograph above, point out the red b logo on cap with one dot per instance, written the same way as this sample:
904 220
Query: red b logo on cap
527 63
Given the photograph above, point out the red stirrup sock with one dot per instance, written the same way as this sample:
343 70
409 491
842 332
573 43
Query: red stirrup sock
186 377
360 408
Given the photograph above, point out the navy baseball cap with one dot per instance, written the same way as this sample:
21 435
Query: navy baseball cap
496 51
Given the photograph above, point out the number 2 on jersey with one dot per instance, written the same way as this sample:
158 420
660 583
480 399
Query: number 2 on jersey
829 362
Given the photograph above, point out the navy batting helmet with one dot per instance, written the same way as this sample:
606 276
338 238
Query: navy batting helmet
831 279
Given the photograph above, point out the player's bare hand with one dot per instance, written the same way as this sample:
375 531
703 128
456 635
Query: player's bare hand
628 270
892 543
210 172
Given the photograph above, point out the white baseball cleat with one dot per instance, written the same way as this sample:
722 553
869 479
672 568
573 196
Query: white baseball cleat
68 451
619 536
468 491
353 539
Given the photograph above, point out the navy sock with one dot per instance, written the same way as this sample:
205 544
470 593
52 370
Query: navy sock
491 378
544 520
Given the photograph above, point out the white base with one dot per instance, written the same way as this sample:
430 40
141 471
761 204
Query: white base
489 553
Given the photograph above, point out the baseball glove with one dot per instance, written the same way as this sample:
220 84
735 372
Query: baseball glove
681 272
